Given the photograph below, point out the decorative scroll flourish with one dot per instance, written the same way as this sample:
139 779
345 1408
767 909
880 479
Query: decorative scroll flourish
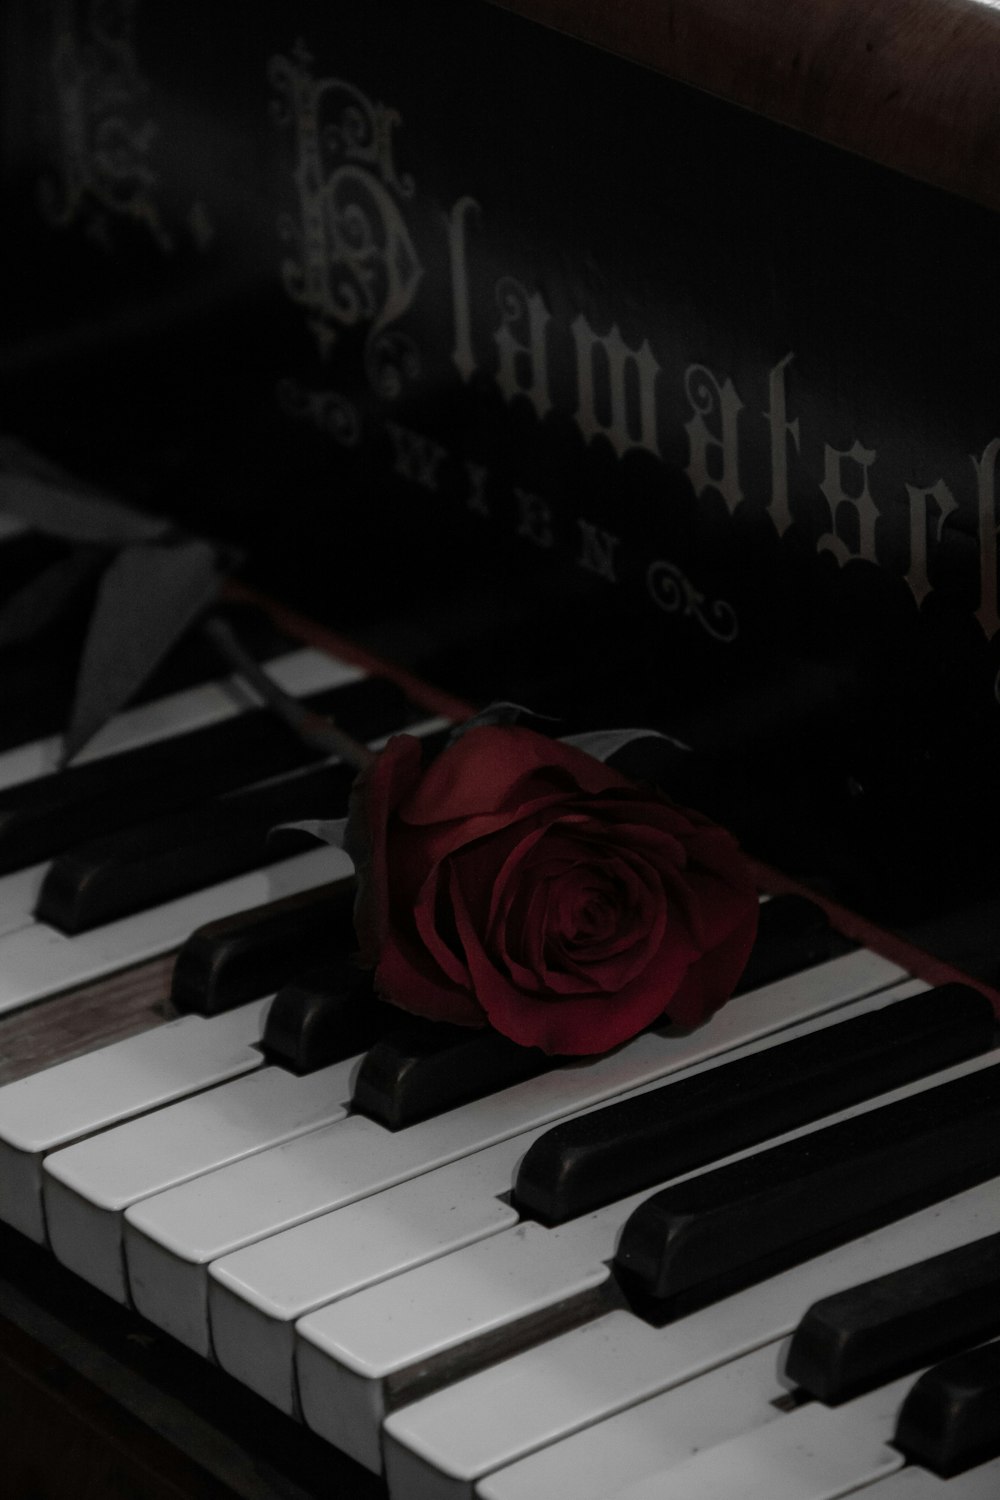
103 135
352 261
677 595
513 300
331 412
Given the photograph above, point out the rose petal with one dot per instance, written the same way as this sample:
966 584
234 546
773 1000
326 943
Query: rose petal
572 1027
545 858
400 979
508 880
642 920
492 767
519 912
679 982
521 879
713 976
434 922
375 792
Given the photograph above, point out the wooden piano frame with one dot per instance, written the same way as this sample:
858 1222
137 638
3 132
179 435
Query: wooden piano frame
95 1404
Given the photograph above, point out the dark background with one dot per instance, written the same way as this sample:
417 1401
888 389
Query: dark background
847 734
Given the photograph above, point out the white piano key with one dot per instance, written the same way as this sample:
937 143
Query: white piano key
912 1483
19 894
580 1378
300 672
617 1455
37 961
646 1439
89 1093
815 1453
649 1438
86 1187
256 1292
357 1356
171 1238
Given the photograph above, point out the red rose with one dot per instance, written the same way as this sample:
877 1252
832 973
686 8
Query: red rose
519 881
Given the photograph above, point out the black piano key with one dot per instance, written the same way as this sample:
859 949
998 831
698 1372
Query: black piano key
698 1240
793 934
581 1164
242 957
40 818
950 1420
422 1068
150 863
324 1016
872 1333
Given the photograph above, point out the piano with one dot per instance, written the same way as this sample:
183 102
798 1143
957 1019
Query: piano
631 363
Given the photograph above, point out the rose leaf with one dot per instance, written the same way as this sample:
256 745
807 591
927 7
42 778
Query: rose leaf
325 830
63 510
31 608
502 714
148 597
602 744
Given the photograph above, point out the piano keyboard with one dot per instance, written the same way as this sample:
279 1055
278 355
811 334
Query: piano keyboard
298 672
386 1288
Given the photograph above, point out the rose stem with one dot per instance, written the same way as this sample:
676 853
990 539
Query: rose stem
314 730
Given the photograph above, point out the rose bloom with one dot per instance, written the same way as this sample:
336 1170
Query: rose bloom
520 882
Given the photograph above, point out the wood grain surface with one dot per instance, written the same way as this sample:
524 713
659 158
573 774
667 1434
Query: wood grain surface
912 84
81 1020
